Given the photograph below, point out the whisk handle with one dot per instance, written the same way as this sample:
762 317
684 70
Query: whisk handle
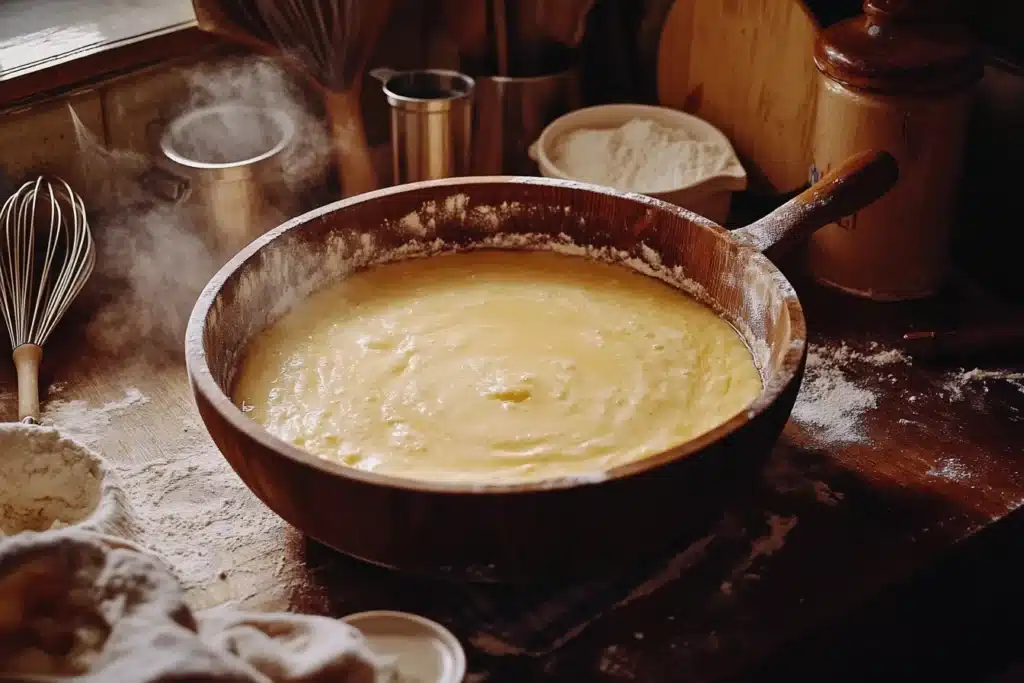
352 152
27 358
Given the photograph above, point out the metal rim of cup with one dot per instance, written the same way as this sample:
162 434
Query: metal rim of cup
284 123
397 99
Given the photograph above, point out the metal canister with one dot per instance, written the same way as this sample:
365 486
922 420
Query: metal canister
891 79
431 122
511 113
232 156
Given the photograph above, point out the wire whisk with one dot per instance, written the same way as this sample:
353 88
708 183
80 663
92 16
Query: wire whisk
331 40
46 257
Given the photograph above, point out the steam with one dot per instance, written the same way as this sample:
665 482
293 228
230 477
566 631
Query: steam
152 259
154 254
259 83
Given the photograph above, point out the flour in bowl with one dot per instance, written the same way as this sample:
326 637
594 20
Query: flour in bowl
639 156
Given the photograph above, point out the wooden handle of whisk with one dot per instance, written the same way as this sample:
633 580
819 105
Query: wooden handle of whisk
348 135
27 358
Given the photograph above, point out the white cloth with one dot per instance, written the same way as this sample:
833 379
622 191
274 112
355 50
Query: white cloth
96 609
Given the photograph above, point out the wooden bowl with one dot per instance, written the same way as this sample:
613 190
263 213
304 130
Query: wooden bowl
527 531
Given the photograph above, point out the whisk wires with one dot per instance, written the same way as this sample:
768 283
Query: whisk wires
318 33
46 258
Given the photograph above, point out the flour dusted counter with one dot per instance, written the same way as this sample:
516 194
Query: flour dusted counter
890 474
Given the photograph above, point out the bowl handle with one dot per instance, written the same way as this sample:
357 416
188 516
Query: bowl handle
856 183
533 151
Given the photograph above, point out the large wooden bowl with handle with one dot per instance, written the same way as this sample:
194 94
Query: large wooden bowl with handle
528 531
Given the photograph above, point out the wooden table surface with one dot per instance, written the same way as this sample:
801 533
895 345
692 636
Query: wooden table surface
813 562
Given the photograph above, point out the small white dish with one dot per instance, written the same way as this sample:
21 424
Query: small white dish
709 197
423 650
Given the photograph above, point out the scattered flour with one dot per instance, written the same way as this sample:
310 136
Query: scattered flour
824 493
875 355
192 508
778 528
880 357
673 569
79 421
787 477
829 404
640 156
951 469
763 546
411 223
48 481
422 223
199 515
957 382
616 663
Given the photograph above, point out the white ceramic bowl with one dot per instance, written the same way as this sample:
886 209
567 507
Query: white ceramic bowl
709 197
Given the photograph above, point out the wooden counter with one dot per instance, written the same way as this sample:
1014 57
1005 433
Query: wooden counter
810 581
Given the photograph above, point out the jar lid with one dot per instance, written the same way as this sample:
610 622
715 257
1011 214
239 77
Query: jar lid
896 48
423 650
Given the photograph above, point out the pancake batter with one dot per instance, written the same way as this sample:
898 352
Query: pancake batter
495 367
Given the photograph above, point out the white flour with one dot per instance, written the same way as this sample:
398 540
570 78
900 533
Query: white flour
951 469
879 357
77 420
193 509
639 156
200 516
46 482
763 546
829 405
788 477
957 382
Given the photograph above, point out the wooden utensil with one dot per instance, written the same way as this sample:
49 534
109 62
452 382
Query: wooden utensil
527 531
557 21
538 25
746 66
331 40
967 341
465 22
499 23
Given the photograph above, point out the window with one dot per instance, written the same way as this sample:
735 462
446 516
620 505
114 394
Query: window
38 35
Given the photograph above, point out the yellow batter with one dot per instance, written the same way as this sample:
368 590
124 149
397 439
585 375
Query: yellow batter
495 367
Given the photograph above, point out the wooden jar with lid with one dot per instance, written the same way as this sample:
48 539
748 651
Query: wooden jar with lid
894 78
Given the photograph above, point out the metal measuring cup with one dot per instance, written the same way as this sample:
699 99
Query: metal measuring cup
235 195
431 122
